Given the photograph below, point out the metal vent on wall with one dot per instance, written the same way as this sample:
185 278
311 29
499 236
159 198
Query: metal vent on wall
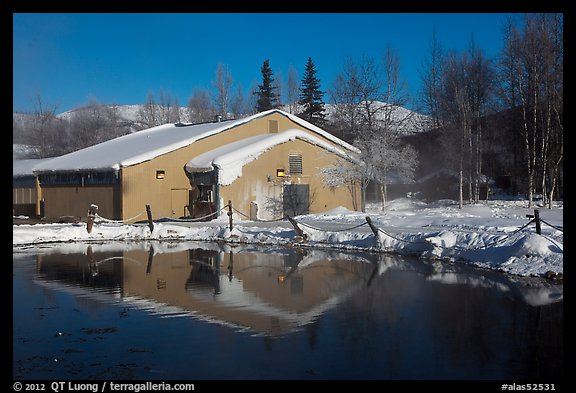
295 163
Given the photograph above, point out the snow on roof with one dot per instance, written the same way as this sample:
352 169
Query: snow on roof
232 157
147 144
25 167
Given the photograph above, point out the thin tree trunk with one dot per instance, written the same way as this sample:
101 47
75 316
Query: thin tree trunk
383 195
461 174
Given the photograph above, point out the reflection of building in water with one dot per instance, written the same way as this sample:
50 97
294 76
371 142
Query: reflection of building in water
271 293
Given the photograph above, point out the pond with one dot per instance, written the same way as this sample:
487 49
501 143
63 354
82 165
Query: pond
208 311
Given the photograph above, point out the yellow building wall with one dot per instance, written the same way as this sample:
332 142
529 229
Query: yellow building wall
259 183
26 200
24 195
168 197
75 200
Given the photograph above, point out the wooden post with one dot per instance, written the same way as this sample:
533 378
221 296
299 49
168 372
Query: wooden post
298 230
537 220
230 266
90 218
150 222
230 214
374 229
373 274
150 260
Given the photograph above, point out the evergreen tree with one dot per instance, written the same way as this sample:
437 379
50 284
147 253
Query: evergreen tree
311 96
267 96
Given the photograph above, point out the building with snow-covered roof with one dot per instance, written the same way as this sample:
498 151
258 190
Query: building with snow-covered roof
267 164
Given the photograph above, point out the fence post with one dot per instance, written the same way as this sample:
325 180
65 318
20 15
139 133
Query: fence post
230 214
150 260
90 217
298 230
230 266
374 229
537 220
150 222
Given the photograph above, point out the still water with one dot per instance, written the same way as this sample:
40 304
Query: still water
195 311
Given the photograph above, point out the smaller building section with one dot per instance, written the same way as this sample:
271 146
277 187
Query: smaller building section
26 193
266 175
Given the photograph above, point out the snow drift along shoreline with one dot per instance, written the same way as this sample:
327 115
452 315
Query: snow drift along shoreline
493 235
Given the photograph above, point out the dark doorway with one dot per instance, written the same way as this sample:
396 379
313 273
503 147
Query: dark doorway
296 199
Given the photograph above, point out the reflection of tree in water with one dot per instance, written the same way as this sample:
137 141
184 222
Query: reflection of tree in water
312 330
500 336
544 344
464 328
411 326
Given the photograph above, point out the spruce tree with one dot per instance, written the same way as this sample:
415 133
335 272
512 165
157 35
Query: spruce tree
311 96
267 96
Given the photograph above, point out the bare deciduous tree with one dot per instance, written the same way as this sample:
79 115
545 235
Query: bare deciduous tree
148 114
200 107
532 80
292 89
154 113
223 84
239 104
431 76
46 131
367 95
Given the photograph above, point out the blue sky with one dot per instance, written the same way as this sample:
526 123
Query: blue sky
67 59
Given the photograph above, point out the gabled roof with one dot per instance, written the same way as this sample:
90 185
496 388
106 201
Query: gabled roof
231 157
147 144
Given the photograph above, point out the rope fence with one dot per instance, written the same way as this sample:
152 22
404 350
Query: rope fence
196 219
552 226
104 219
303 237
332 230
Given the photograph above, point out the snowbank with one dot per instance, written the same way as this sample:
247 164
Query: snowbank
496 235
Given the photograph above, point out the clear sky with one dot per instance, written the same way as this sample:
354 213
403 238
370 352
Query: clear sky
67 59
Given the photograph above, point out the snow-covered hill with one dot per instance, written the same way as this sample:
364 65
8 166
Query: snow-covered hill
407 121
125 112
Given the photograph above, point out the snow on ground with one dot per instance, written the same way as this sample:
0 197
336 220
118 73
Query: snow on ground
494 235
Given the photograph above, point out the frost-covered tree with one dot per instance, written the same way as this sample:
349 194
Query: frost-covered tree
349 173
368 94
